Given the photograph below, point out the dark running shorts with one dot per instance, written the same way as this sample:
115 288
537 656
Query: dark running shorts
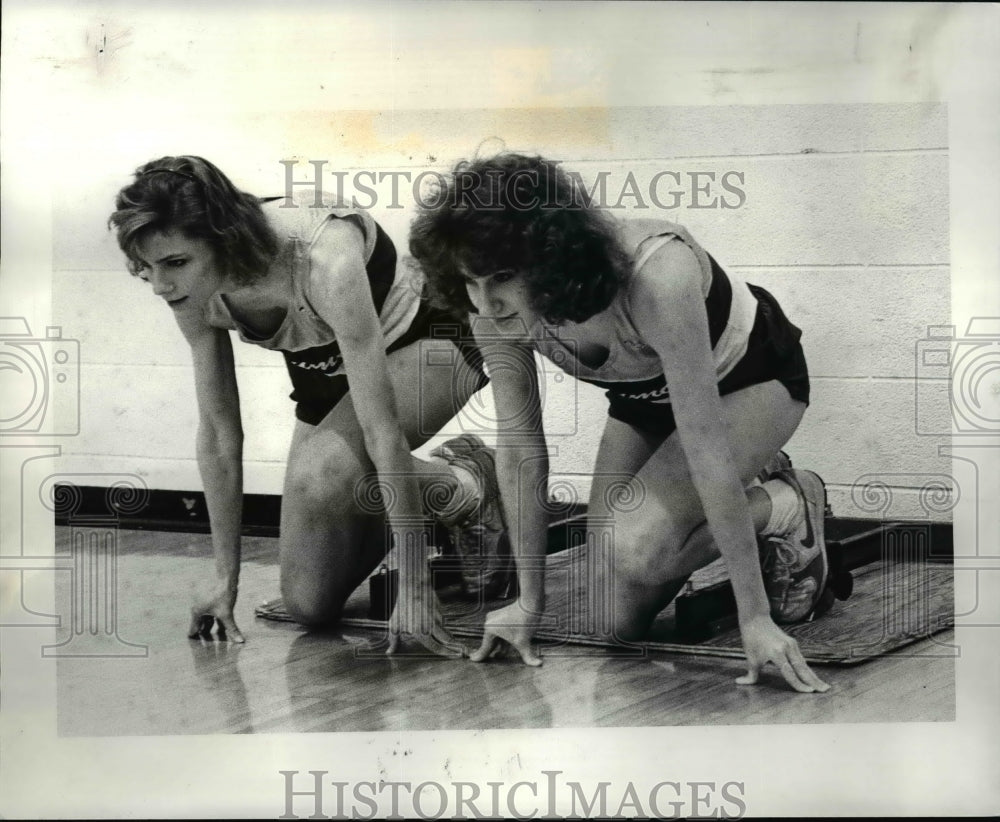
315 394
773 353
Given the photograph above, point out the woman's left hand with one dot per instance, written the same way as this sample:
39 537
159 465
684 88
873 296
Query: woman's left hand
511 625
764 642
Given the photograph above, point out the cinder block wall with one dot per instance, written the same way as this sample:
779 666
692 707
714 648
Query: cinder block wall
840 211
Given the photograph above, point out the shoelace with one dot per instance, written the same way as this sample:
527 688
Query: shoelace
783 553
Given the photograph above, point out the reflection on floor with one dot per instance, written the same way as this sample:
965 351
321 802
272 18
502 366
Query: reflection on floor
152 680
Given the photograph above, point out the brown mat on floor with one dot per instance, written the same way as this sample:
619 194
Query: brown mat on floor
893 605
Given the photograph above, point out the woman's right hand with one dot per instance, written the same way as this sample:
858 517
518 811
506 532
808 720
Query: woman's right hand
418 615
215 609
764 642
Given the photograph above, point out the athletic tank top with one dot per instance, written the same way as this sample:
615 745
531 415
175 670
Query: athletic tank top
395 289
633 369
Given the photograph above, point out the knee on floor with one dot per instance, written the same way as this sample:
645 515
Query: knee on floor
310 605
633 609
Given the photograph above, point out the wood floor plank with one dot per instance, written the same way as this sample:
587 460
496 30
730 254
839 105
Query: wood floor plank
285 679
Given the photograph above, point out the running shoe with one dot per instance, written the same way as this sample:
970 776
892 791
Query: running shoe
795 565
479 538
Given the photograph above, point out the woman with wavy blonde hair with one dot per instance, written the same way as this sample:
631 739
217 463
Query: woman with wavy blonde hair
321 285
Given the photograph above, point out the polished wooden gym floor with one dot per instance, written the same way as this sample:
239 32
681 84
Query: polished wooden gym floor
150 679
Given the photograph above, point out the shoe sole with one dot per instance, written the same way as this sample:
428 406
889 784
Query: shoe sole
273 610
811 487
471 453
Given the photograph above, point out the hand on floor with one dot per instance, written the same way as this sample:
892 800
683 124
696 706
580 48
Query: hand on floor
215 610
418 615
510 626
764 642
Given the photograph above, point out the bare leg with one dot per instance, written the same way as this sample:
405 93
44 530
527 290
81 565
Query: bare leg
663 539
332 530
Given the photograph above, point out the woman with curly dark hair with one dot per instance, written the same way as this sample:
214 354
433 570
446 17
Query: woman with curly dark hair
635 307
321 285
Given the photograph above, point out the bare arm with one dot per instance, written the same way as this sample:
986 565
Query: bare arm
340 293
672 290
523 462
522 473
220 462
669 286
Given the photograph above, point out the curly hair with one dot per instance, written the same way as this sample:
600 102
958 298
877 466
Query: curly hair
190 195
523 214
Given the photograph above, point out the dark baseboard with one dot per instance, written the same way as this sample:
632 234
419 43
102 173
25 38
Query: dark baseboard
185 511
858 541
161 510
